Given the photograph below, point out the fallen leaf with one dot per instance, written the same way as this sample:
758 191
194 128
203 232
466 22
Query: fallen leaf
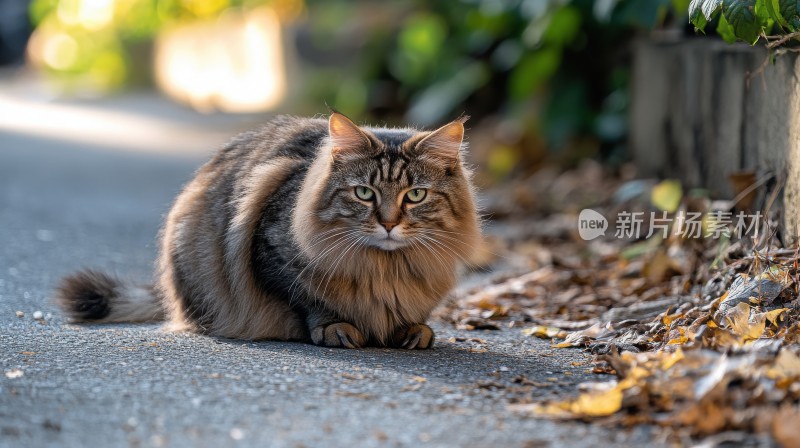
785 367
743 289
598 403
666 195
671 359
544 332
602 401
739 320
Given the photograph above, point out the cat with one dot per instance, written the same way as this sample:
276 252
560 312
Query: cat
310 230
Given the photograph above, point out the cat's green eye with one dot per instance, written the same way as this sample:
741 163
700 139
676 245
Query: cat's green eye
364 193
416 195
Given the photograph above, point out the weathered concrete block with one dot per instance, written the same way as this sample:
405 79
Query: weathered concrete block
701 111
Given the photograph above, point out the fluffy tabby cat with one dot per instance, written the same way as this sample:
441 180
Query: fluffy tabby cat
306 229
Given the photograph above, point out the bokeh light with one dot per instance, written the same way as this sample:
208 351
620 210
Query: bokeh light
233 64
223 55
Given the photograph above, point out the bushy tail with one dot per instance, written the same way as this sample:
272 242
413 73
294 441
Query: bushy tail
92 296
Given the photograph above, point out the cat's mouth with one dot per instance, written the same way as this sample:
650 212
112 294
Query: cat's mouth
388 243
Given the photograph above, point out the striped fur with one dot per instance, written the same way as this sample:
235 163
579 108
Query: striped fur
270 240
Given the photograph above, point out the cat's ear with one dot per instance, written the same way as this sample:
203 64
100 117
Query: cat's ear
346 137
444 144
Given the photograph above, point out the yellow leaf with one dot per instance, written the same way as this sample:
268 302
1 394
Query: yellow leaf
739 319
669 318
502 159
681 339
552 410
667 195
671 359
787 366
598 403
543 332
595 403
770 316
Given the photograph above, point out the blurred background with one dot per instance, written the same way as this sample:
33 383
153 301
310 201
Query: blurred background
546 81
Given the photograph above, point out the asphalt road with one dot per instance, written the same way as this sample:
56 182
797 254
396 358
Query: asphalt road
65 206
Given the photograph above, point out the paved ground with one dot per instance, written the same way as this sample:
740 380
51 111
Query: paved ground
64 206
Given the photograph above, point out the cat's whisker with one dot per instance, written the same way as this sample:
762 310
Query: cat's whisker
340 232
504 257
433 251
333 270
344 240
312 263
329 274
444 231
447 248
421 250
459 243
318 259
457 250
299 253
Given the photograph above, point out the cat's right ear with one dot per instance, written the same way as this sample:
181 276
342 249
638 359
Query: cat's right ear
347 138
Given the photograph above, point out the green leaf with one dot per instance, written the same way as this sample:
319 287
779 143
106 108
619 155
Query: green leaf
773 11
423 35
789 13
564 26
698 20
702 11
680 5
725 30
711 7
764 16
532 71
741 15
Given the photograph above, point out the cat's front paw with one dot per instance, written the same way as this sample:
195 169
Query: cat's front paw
340 334
417 336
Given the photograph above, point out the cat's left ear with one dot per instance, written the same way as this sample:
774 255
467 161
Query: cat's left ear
347 138
444 144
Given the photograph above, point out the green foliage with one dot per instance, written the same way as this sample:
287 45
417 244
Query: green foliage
746 20
553 71
787 14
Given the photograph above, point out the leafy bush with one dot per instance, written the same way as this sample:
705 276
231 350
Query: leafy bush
748 20
555 72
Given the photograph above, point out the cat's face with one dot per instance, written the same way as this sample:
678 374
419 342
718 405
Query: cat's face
396 190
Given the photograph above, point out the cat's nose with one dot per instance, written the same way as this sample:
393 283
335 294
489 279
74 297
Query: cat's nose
388 225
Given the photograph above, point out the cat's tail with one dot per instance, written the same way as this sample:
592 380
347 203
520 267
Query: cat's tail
92 296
